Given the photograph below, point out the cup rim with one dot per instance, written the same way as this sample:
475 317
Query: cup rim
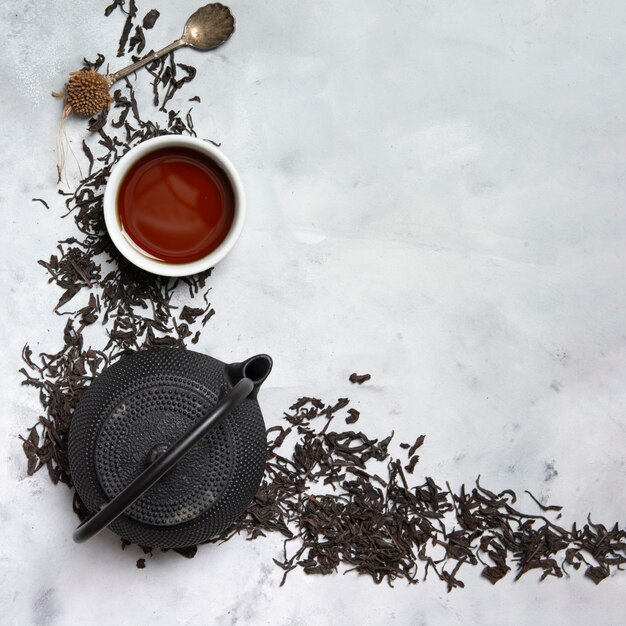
113 226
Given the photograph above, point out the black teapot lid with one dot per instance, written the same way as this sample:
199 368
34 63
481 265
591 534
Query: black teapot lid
140 428
130 421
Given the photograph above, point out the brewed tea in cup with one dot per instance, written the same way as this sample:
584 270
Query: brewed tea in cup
174 205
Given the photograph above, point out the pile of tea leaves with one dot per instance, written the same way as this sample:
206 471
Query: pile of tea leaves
336 513
342 500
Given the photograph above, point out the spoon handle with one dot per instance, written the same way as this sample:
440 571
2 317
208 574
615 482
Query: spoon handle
153 56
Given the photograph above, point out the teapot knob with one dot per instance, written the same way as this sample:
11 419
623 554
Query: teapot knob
156 452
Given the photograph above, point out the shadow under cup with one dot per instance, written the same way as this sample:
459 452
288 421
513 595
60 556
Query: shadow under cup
174 205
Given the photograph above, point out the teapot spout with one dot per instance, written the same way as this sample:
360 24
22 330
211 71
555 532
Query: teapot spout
256 368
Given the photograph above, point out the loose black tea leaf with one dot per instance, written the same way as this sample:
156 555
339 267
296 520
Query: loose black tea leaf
87 152
42 202
190 71
359 378
597 574
150 19
141 563
114 5
132 12
98 122
412 463
353 416
94 65
138 39
542 506
418 444
493 573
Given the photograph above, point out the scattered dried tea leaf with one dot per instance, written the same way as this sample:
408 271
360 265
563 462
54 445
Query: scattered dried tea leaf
597 573
542 506
94 65
359 378
418 444
150 19
410 467
353 416
493 573
114 5
130 16
42 202
190 314
87 152
138 40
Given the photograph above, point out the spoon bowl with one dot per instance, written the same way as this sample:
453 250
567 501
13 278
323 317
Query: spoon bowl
209 27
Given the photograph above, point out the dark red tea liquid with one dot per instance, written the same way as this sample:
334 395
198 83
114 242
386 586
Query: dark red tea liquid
176 204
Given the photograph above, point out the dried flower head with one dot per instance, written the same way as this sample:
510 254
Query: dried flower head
87 92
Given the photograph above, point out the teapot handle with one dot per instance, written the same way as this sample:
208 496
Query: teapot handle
163 464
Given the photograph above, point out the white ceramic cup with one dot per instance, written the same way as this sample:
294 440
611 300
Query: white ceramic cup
113 223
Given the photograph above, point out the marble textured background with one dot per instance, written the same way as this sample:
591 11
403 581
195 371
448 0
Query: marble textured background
436 196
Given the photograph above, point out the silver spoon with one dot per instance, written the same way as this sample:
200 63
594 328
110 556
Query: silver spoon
209 27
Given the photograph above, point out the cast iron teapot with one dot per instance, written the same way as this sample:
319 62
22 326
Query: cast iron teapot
168 446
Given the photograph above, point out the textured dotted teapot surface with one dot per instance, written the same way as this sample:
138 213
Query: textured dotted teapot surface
149 399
